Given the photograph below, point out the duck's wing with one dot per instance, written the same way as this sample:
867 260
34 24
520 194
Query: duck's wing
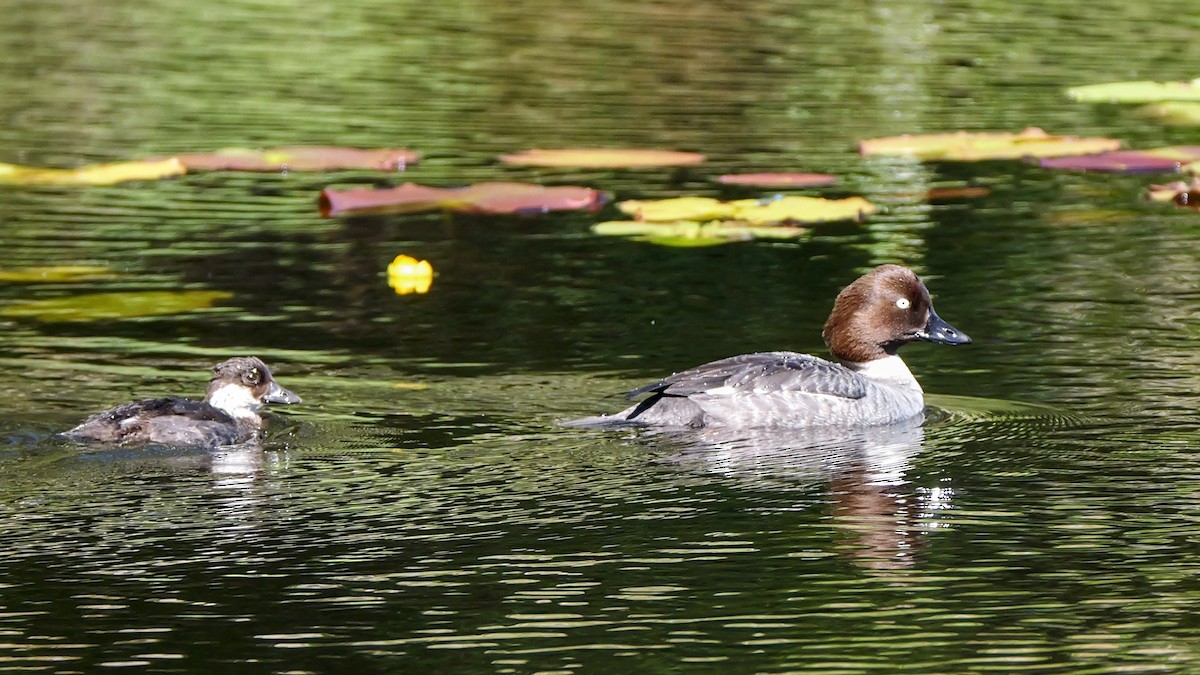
131 419
762 373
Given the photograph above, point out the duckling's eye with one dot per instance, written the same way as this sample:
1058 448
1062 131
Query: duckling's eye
252 376
903 303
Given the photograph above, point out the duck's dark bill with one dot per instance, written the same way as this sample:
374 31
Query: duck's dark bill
941 332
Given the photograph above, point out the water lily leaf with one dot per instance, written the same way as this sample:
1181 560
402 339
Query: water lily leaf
965 146
937 194
787 209
1136 92
99 306
795 209
1166 159
92 174
601 158
1178 193
480 198
691 233
408 275
1174 112
777 180
56 273
300 158
677 208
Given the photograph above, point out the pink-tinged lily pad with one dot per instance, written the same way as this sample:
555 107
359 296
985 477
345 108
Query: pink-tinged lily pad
92 174
777 180
1136 92
965 146
300 158
1167 159
1178 192
602 158
480 198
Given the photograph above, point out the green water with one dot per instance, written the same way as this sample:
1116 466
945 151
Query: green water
422 509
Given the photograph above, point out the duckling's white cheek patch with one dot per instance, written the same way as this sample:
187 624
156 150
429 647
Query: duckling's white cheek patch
235 399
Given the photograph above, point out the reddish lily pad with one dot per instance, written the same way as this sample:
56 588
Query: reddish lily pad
480 198
777 180
300 158
965 146
1129 161
92 174
1136 92
602 158
1178 192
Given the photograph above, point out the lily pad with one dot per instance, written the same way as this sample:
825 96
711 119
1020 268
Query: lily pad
794 209
56 273
602 158
1136 92
945 193
1183 113
757 212
408 275
678 208
777 180
1166 159
963 146
693 234
92 174
300 158
480 198
100 306
1178 193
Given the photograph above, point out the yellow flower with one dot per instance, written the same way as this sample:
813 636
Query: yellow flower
409 275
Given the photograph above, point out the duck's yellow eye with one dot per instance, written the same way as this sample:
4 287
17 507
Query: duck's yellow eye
903 303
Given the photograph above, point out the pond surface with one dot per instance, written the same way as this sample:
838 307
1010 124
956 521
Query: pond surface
422 509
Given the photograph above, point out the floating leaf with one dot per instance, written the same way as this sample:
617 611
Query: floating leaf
92 174
1166 159
1179 193
1136 92
777 180
692 234
1174 112
409 275
300 158
481 198
678 208
56 273
937 194
600 158
793 209
98 306
965 146
788 209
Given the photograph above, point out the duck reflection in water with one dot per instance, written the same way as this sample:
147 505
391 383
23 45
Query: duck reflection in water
883 516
